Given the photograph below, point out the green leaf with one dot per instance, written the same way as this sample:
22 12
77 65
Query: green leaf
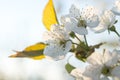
69 67
49 15
34 51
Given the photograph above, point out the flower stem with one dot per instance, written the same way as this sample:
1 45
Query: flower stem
85 40
117 33
78 38
73 42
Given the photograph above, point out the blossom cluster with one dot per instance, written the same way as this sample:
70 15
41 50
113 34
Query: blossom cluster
64 38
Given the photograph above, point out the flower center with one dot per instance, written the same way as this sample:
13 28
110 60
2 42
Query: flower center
81 23
106 71
63 43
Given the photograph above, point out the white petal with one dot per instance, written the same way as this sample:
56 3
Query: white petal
93 72
110 58
68 46
80 30
115 78
106 21
118 54
93 21
71 24
76 73
79 79
73 21
111 16
116 72
74 12
52 51
65 19
49 37
95 59
108 18
89 14
104 78
100 28
116 8
60 32
115 11
68 27
55 51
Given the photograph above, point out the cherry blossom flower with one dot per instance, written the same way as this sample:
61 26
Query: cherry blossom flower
107 20
58 42
77 74
77 21
103 66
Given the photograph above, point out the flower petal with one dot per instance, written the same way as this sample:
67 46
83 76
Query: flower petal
71 24
95 59
54 51
116 72
89 14
115 11
80 30
110 58
57 51
68 46
76 73
65 19
93 72
116 8
93 21
104 78
74 12
100 28
107 20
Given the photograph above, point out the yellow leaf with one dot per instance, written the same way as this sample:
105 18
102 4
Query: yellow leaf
39 57
38 46
33 51
49 15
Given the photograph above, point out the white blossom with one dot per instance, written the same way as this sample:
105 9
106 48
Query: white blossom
116 8
107 20
103 66
90 16
58 42
77 21
77 74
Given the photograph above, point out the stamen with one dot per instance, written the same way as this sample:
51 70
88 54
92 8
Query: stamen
106 71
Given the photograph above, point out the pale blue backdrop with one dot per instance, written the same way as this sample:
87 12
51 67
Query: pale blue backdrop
21 26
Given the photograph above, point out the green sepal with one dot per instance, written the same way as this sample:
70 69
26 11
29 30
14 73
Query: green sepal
72 48
83 52
115 21
69 67
72 34
113 29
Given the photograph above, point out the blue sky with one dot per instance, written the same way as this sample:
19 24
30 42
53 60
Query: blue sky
21 26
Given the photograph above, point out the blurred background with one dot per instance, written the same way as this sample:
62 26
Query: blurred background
21 26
